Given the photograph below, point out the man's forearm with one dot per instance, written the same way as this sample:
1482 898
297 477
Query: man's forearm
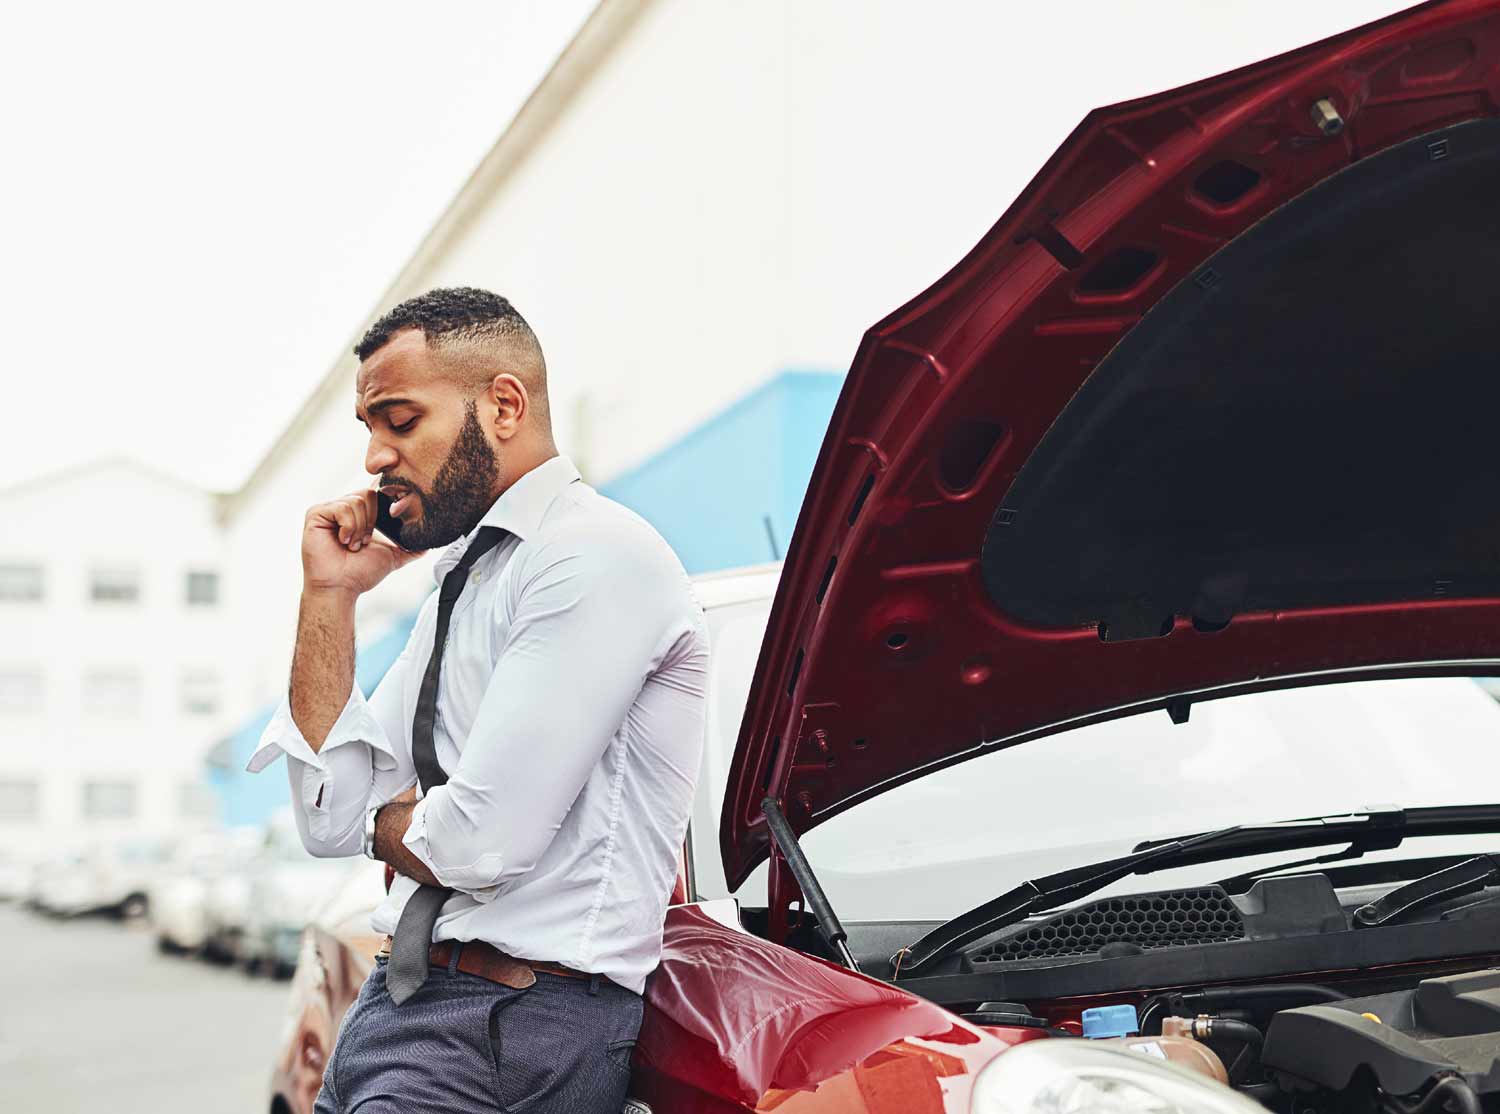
391 823
322 663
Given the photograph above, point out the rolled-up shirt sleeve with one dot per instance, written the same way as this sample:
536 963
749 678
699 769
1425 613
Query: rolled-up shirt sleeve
365 757
592 618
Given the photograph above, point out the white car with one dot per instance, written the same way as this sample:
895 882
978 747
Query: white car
226 909
15 878
178 898
102 878
58 882
286 886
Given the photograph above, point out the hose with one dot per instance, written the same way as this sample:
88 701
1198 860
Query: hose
1212 1028
1251 1038
1222 994
1206 1001
1449 1087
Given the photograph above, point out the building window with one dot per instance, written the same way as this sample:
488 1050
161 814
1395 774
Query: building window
202 589
108 800
21 583
196 801
112 692
20 799
115 585
20 692
200 692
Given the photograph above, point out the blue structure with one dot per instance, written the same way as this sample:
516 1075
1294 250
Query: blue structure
727 494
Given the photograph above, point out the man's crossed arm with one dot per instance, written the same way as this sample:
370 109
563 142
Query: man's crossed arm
391 823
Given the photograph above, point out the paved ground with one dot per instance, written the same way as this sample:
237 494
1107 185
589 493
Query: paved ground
93 1018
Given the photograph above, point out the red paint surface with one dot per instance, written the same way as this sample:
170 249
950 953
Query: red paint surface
736 1023
680 883
1006 337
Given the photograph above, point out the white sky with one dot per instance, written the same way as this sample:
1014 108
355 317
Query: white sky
203 202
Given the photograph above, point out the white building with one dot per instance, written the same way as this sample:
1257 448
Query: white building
701 199
114 674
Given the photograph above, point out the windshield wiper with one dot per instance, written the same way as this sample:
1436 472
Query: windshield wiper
1462 878
1380 829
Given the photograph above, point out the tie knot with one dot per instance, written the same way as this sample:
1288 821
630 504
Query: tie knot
484 541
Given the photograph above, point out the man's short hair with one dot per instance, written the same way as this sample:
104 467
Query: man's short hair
471 324
452 312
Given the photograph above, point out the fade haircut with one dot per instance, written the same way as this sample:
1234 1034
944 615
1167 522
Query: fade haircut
478 333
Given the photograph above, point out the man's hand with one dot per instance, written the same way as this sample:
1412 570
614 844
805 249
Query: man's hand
340 551
341 559
391 823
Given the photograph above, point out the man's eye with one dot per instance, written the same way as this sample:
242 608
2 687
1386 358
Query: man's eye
405 426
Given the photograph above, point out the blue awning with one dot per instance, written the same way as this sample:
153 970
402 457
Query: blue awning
728 493
252 798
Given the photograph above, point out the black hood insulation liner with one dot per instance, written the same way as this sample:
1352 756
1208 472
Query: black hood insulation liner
1309 420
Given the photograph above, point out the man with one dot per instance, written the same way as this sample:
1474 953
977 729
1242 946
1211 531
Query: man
527 766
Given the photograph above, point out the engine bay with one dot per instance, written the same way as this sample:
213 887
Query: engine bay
1402 1043
1360 988
1307 998
1306 1048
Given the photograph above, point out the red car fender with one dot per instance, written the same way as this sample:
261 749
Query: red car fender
735 1023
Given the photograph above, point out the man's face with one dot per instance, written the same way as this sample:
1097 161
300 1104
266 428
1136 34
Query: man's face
427 443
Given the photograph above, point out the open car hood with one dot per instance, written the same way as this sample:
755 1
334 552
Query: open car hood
1210 408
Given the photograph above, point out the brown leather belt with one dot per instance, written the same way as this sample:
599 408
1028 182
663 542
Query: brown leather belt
489 962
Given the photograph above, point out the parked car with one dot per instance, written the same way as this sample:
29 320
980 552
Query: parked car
178 897
287 885
336 953
102 877
15 877
226 911
228 906
1168 510
42 871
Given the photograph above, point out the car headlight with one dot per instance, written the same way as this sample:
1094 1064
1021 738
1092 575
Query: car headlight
1061 1076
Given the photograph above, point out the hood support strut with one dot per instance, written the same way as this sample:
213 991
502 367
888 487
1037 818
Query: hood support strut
789 853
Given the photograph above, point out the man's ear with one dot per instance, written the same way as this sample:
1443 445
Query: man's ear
508 396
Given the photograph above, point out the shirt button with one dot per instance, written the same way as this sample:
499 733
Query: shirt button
478 576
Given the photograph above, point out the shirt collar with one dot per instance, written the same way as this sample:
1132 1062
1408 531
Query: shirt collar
519 510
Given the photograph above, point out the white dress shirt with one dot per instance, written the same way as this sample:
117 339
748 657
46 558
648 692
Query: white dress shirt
570 724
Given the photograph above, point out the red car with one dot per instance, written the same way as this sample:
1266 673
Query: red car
1184 477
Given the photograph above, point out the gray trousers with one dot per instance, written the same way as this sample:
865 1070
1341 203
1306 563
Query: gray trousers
463 1043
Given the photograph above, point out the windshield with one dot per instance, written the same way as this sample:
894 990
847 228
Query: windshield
946 842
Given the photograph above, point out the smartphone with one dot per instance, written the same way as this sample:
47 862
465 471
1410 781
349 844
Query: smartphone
387 523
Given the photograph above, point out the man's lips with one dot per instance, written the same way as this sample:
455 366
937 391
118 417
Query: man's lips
401 498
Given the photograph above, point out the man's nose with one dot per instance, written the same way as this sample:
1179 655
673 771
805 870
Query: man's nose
379 457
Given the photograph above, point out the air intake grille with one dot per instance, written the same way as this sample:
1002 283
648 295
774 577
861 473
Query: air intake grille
1161 920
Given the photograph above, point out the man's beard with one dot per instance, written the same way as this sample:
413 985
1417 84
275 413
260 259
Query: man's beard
461 492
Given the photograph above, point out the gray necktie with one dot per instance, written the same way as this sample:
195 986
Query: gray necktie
407 969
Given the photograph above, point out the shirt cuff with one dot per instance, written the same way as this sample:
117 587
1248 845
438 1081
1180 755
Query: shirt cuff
356 724
468 880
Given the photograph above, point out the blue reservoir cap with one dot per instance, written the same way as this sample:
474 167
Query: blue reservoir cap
1110 1021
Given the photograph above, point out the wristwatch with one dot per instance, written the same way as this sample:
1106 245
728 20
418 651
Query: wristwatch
369 841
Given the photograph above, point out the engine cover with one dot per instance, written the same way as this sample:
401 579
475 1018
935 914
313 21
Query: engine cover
1448 1025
